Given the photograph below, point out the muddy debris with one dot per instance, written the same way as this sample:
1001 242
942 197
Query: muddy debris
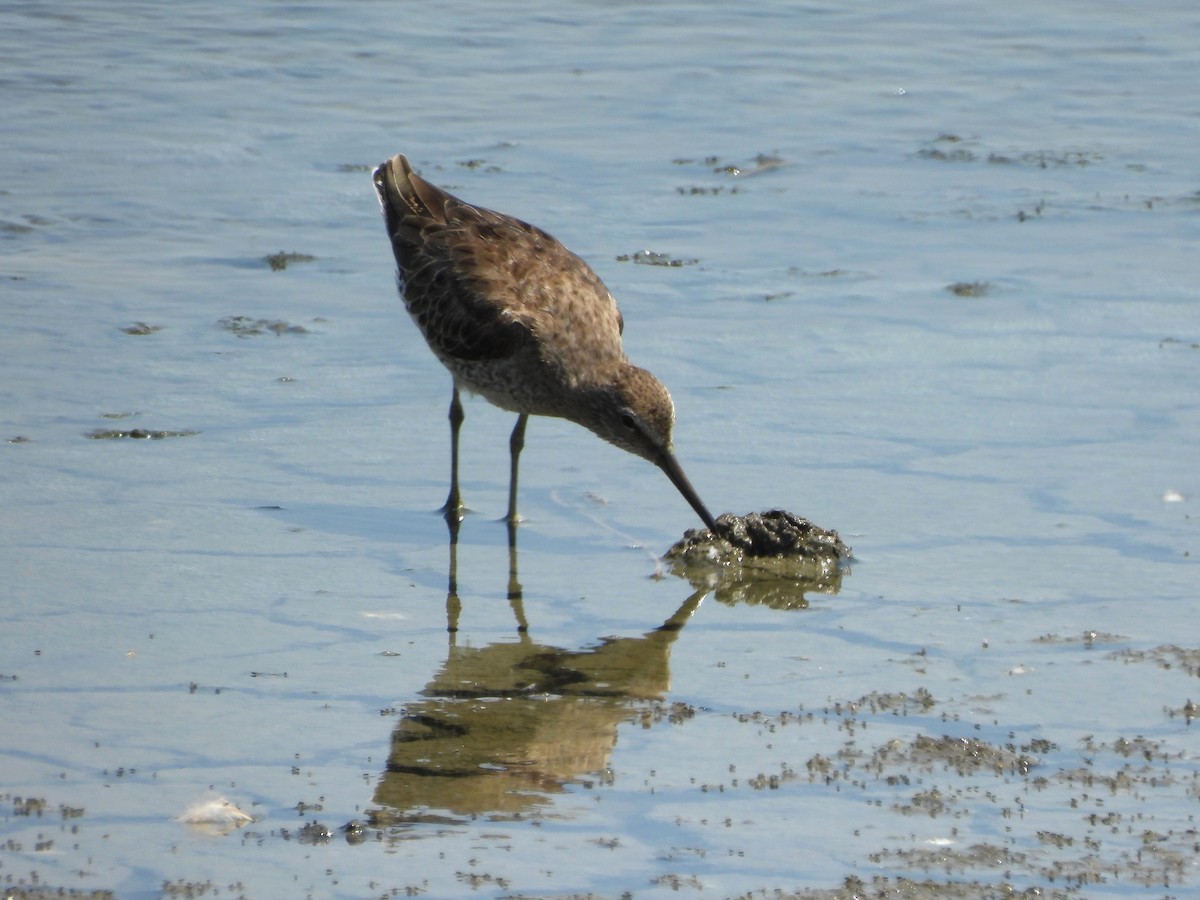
770 558
247 326
654 258
140 434
969 288
140 329
281 260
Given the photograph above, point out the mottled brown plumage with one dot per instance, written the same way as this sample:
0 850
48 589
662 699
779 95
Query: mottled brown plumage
520 319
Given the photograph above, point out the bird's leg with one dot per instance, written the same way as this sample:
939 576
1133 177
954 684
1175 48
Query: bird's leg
454 506
516 444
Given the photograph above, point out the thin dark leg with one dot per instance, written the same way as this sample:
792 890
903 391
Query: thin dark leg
454 506
516 444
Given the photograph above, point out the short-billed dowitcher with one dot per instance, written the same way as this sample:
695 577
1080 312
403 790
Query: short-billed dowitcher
521 320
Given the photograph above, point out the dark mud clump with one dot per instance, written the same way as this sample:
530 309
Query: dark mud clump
774 534
770 558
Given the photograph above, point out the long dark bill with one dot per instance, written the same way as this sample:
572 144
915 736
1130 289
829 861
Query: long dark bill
670 465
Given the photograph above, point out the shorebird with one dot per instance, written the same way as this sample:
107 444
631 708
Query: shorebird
522 321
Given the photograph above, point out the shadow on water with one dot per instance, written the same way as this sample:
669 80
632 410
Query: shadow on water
503 727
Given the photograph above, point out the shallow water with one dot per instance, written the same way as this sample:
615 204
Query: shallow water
258 610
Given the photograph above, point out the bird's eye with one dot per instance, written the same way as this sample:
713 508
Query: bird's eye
628 421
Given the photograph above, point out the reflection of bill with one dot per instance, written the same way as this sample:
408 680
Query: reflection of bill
506 725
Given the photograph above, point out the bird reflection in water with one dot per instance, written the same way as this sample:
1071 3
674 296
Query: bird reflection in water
504 727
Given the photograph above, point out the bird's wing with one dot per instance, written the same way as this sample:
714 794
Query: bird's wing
480 284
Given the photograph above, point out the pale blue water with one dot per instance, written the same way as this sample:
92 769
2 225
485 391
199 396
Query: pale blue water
999 462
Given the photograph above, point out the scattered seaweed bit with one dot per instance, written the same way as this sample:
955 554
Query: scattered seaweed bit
898 703
117 415
699 191
965 756
348 168
52 893
1087 638
1193 345
1146 748
29 806
888 886
763 162
969 288
246 326
1038 209
707 161
315 833
477 880
141 328
1165 656
653 258
281 260
189 890
932 803
1189 711
111 434
951 859
960 154
1041 159
770 559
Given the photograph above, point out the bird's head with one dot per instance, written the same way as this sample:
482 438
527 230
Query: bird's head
634 410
